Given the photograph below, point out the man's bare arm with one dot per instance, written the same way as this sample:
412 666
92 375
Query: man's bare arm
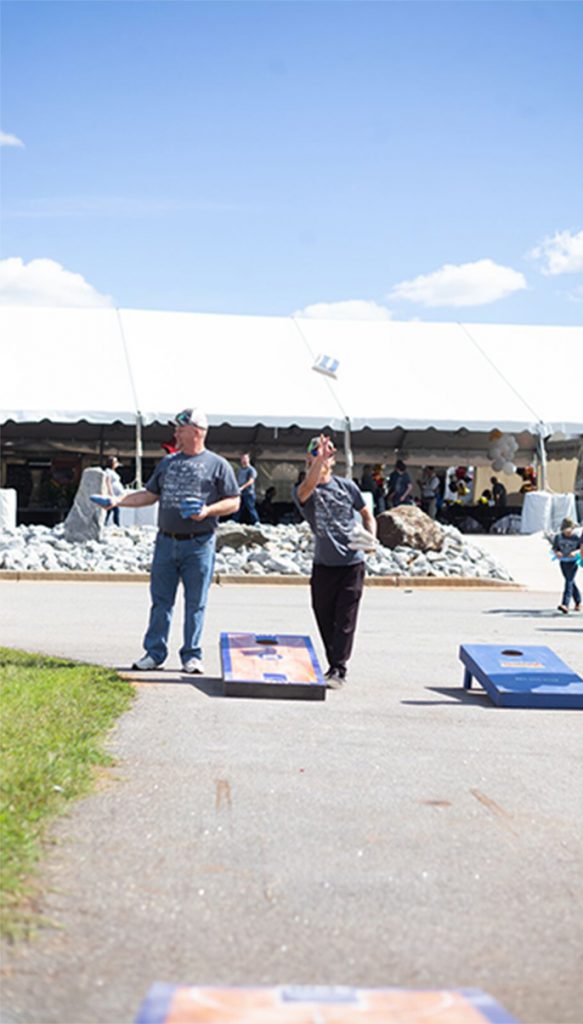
368 520
135 499
316 469
311 480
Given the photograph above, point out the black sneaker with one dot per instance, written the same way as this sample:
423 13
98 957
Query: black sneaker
334 679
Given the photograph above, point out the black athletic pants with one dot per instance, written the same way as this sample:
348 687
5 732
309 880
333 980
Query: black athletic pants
336 594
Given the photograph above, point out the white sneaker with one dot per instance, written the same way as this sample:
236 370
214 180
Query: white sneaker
194 667
146 663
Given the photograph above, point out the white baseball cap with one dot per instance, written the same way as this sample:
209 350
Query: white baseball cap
191 418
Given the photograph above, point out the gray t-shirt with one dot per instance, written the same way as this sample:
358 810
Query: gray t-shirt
331 510
245 473
564 546
206 476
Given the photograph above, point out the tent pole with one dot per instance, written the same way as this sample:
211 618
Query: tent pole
139 451
347 449
543 460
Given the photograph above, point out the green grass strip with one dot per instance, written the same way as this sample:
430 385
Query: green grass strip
54 718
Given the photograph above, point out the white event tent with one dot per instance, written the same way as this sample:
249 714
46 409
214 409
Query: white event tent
99 366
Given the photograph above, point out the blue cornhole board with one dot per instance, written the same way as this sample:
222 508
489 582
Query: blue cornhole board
522 677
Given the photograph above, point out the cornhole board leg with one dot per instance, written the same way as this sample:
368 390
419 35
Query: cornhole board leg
522 677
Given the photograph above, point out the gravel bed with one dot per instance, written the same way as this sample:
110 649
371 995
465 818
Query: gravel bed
256 551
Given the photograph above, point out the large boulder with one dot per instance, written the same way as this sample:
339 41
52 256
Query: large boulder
408 526
85 520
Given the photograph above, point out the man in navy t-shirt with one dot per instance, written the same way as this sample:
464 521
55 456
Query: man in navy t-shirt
332 506
194 487
246 477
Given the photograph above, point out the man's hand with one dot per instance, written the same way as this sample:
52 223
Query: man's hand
102 500
193 508
325 447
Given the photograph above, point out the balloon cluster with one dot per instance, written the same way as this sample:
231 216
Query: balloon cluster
501 452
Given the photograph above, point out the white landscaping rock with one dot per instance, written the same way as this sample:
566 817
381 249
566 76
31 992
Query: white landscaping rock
270 550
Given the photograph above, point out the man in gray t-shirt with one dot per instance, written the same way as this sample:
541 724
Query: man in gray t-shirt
203 476
333 506
194 487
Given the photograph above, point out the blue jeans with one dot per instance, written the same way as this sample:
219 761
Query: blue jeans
248 509
112 512
191 561
569 571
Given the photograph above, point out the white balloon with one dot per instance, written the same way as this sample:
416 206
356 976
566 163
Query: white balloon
498 464
509 468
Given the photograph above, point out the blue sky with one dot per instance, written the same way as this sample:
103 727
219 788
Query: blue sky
405 160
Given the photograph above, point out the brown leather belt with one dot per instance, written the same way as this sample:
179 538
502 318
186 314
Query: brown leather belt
180 536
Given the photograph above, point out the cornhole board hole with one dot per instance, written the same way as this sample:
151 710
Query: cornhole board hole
272 666
522 677
175 1004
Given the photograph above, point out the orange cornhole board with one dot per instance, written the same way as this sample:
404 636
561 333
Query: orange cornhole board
271 665
297 1004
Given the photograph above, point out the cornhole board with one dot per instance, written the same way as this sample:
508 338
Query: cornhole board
272 666
522 677
175 1004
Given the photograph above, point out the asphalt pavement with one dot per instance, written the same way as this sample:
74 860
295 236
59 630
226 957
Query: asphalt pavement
404 832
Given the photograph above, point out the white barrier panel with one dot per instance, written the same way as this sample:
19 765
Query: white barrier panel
544 511
146 516
7 509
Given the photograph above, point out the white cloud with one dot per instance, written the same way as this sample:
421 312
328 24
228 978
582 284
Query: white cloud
44 282
10 140
351 309
561 254
465 284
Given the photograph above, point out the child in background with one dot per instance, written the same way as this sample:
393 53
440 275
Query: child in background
566 545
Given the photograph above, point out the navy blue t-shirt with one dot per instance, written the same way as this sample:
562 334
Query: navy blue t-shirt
331 510
245 473
206 476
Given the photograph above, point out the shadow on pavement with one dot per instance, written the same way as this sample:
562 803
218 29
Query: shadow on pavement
211 686
456 693
167 678
527 613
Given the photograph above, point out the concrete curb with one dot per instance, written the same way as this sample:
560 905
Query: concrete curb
274 580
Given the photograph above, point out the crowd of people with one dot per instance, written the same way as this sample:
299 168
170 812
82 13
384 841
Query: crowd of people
431 491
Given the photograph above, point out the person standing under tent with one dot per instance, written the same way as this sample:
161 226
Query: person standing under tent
498 492
429 486
246 477
399 486
114 486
